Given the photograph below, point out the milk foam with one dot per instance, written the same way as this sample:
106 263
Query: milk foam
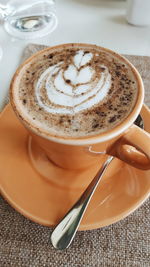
74 89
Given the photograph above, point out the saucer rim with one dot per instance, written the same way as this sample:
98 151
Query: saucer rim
82 227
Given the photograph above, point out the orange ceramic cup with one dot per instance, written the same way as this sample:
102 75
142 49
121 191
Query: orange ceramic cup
126 141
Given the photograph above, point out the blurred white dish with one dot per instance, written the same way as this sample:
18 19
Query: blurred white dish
1 52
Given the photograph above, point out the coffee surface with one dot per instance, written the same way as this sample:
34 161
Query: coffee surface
76 91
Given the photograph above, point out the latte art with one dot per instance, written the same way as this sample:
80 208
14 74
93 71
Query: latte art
75 90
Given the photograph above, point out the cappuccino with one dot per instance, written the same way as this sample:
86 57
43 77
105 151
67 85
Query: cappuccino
75 90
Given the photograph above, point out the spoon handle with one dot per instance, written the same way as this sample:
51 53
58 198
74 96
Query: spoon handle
65 231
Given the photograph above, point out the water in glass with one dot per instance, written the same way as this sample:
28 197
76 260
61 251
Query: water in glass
29 18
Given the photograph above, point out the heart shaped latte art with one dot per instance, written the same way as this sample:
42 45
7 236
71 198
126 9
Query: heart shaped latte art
73 88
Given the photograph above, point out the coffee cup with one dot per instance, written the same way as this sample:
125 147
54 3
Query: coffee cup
79 103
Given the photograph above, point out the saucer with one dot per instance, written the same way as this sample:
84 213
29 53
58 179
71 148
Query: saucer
43 202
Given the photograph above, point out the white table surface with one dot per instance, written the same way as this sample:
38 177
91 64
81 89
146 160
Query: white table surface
89 21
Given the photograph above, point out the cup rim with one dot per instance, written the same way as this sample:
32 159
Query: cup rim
84 140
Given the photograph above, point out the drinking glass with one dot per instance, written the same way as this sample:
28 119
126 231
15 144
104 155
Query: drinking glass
29 18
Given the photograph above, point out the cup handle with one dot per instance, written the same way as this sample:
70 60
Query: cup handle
133 148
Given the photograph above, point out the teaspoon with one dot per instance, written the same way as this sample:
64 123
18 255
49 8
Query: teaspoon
63 234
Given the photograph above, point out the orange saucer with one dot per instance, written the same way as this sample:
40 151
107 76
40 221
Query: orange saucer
42 201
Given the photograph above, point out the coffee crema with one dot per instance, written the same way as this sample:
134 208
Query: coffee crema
75 90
